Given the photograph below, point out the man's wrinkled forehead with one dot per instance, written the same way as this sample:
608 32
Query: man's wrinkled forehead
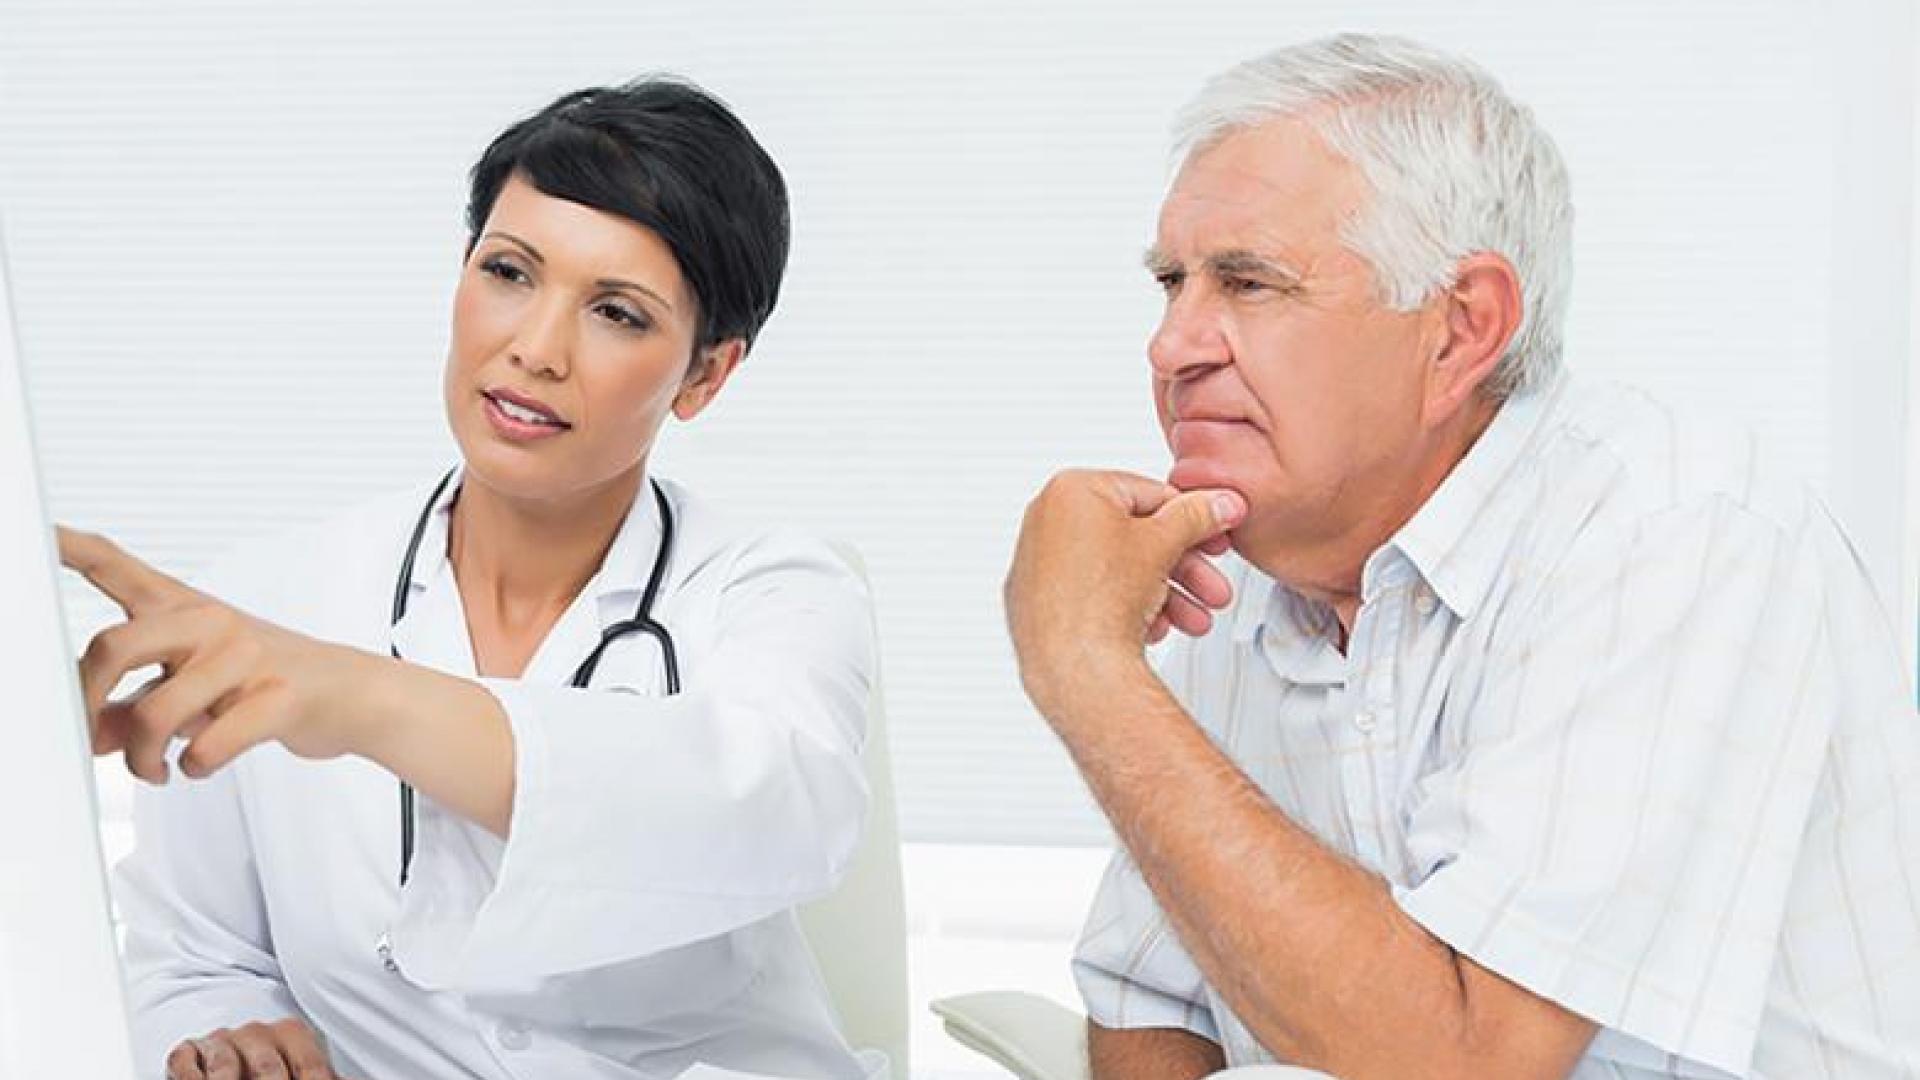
1272 187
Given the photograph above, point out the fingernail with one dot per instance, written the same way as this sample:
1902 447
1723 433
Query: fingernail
1227 507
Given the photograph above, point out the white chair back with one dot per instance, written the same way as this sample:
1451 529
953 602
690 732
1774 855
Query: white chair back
859 933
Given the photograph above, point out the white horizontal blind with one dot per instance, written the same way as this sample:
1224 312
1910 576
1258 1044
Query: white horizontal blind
234 229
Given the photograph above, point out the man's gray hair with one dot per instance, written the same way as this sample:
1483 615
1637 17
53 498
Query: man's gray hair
1456 167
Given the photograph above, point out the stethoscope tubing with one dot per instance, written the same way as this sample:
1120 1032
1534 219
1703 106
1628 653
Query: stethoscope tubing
642 622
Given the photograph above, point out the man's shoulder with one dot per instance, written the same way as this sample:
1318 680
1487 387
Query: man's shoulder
1617 455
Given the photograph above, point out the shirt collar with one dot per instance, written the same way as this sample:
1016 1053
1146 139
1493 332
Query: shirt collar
617 584
1298 636
1456 539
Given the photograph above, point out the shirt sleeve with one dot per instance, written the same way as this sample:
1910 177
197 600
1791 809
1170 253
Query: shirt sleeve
1618 826
1131 970
640 824
198 953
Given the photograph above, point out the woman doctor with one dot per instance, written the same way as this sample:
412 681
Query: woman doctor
519 774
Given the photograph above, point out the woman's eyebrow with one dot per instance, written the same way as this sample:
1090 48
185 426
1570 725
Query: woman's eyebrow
622 283
532 252
603 283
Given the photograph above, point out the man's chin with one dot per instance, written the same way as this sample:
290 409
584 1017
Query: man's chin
1195 475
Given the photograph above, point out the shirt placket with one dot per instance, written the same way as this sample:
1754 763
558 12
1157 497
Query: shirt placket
1367 769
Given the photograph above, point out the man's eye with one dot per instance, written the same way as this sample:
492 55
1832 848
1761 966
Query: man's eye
1241 286
1170 280
504 270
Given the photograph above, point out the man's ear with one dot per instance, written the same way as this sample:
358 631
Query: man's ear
711 368
1482 311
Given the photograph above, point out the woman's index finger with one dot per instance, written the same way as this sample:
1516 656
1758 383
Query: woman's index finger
127 581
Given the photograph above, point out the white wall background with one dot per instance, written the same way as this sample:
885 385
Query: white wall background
233 230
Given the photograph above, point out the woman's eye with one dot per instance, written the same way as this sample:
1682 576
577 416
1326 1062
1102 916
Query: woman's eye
504 270
621 315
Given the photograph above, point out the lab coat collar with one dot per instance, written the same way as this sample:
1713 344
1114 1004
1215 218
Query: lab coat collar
611 593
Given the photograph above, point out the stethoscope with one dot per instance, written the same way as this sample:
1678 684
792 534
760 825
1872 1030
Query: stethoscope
642 622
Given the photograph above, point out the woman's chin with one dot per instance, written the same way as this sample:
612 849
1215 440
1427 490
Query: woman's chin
508 469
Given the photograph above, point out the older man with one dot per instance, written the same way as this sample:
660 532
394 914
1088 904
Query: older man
1543 731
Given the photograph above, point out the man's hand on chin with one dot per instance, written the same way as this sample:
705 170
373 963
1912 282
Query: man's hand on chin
1106 563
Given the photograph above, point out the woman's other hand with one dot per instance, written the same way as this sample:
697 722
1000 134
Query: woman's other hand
283 1050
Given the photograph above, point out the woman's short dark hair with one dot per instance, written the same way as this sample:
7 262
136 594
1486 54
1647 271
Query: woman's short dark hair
662 152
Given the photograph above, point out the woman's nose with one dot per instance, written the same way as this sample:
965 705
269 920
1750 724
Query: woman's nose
543 343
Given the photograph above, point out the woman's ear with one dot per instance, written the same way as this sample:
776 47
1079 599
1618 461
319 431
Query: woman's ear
711 368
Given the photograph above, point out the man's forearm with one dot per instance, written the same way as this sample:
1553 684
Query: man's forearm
1150 1054
1310 950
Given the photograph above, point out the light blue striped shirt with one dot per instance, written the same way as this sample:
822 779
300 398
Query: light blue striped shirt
1621 720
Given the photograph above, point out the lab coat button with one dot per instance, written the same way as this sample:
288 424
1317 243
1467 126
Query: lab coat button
513 1036
1363 721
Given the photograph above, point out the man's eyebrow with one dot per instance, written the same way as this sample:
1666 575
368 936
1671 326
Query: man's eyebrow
1240 262
1157 261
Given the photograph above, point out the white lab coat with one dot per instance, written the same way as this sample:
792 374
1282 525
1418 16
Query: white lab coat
638 920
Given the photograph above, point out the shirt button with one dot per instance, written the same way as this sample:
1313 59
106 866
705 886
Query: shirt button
512 1035
1424 603
1363 721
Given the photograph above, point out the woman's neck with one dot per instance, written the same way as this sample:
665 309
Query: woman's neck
520 563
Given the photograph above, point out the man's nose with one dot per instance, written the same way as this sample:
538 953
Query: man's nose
1189 341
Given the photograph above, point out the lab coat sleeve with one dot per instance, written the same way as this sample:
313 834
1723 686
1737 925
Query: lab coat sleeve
643 823
198 954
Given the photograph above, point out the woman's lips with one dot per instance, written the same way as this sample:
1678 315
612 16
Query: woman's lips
514 428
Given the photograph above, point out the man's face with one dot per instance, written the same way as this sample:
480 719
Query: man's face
1277 372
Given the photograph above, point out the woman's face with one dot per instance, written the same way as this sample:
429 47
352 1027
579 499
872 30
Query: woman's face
573 335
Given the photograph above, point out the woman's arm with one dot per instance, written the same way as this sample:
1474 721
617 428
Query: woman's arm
655 821
660 822
232 681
